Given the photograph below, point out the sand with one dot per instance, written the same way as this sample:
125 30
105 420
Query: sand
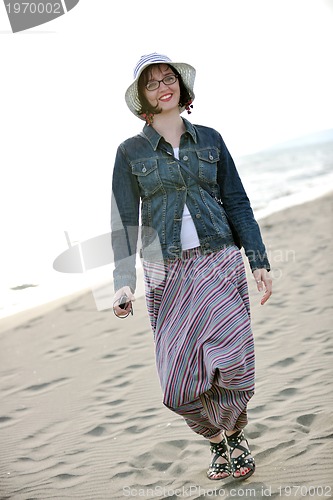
81 412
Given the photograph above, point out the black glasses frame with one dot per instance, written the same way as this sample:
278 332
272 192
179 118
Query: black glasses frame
159 82
122 303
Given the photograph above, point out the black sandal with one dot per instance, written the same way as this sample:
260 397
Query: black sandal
219 450
234 442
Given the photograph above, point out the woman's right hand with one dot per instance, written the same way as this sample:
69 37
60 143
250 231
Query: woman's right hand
119 311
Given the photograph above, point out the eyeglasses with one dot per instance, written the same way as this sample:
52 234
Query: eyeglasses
167 80
122 303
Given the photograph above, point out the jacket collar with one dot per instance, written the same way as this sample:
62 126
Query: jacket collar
154 137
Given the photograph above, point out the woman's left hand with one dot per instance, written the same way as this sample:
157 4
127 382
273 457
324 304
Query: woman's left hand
263 280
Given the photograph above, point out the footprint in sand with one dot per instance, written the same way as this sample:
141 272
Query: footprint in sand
46 385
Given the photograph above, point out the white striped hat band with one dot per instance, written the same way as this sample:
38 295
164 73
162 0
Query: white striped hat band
149 59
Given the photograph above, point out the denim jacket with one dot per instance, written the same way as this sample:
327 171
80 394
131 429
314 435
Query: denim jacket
144 173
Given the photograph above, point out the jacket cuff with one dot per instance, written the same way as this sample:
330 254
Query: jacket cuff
258 261
124 280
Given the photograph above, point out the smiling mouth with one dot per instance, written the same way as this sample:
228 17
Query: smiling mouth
166 97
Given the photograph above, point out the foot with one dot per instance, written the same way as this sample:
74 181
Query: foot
242 463
219 467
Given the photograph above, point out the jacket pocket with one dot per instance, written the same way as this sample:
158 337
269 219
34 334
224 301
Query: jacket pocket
146 172
208 159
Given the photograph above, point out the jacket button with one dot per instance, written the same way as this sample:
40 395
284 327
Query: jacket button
185 158
198 216
183 188
207 245
144 169
211 157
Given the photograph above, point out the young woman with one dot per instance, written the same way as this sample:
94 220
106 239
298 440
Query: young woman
196 289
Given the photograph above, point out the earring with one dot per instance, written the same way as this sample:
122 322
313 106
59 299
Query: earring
188 107
149 117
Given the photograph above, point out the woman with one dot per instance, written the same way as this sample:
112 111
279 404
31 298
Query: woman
196 289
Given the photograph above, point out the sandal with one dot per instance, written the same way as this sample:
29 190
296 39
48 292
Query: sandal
234 442
219 450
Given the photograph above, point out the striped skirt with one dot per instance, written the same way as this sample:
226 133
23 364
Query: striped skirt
199 311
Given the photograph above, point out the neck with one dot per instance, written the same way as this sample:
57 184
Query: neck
170 126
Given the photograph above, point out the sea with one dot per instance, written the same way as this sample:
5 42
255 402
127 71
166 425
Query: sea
286 175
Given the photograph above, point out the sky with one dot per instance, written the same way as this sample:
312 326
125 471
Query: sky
264 75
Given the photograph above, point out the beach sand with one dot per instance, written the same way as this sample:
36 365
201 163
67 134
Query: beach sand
81 407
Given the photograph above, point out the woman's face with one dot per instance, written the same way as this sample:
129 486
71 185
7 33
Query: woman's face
166 97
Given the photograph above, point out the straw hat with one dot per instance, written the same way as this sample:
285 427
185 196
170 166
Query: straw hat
186 72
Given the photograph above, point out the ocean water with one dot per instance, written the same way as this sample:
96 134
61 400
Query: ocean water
274 180
282 177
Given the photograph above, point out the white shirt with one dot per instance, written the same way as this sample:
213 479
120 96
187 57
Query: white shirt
188 234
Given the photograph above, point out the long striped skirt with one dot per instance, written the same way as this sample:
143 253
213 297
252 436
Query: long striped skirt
199 311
